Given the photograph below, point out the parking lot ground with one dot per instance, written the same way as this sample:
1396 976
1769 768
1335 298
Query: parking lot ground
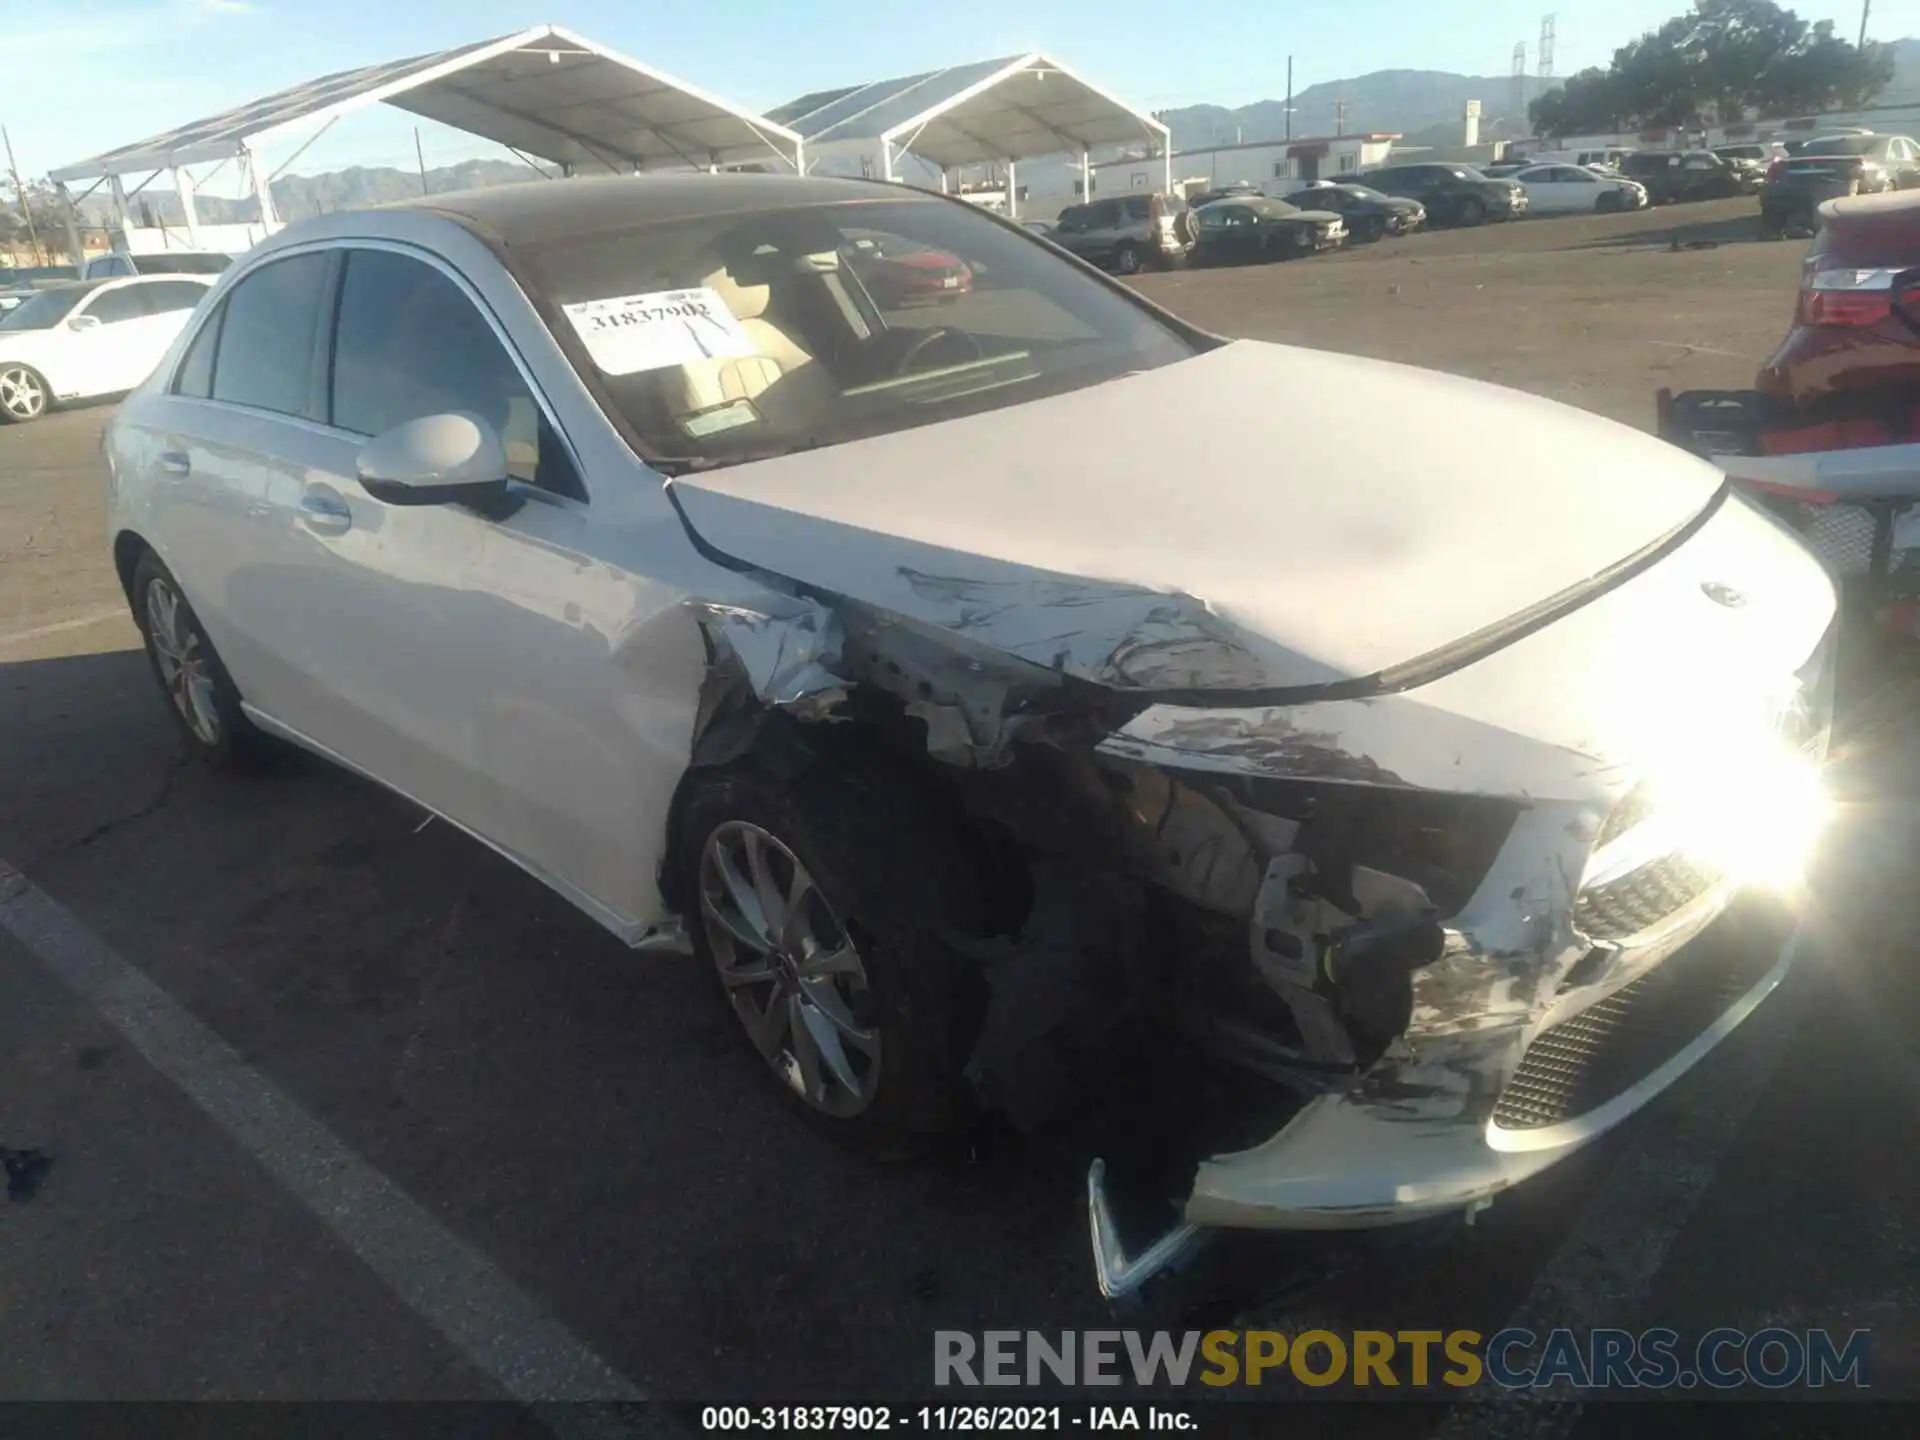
573 1129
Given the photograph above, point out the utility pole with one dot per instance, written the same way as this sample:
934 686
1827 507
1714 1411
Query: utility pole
420 159
20 195
1866 9
1340 117
1289 97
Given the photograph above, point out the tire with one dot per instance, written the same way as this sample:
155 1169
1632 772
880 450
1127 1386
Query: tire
1608 203
199 693
882 880
1473 211
1371 229
24 395
1128 260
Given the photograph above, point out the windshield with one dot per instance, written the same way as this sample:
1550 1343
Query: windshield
46 309
731 338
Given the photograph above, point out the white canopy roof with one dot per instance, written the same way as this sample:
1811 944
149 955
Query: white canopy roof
988 111
1031 106
546 92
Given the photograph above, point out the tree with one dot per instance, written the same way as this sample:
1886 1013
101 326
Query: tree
1717 61
49 225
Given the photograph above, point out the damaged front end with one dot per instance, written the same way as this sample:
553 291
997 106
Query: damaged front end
1413 931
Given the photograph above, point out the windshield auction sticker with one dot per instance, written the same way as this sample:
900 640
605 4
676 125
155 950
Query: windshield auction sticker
625 334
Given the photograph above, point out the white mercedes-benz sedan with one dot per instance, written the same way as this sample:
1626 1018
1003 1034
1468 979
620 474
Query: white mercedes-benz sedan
1446 799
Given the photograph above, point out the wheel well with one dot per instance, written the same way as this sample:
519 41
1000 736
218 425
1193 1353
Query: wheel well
785 746
127 550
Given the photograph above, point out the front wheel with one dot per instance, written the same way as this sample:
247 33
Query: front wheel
23 394
1128 260
1473 210
823 902
1370 228
1608 202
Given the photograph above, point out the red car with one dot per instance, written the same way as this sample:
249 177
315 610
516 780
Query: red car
898 273
1829 437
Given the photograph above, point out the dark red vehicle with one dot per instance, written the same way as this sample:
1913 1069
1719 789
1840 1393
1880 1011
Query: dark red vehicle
898 273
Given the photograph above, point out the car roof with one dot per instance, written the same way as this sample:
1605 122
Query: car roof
540 210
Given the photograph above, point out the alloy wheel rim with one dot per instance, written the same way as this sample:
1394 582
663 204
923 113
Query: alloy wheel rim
182 661
792 972
21 393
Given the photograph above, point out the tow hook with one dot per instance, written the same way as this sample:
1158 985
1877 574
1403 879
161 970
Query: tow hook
1118 1273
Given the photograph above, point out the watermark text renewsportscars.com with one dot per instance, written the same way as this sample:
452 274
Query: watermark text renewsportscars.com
1601 1359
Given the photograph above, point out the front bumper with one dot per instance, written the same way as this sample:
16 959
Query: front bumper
1349 1162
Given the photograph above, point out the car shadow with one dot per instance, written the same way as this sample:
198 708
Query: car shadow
1682 235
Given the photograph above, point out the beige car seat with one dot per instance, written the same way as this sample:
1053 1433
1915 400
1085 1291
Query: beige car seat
703 384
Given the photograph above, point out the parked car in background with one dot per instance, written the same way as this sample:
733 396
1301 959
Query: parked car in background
1128 233
1197 198
1605 156
1752 158
1575 189
1254 228
1369 214
1505 170
1039 227
1829 436
1450 194
89 338
1673 177
897 272
1829 167
610 522
164 262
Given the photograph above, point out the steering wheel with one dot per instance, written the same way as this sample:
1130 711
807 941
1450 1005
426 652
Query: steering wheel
939 333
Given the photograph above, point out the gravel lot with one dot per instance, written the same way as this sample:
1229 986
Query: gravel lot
574 1120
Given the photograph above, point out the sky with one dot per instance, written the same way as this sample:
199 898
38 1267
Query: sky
87 75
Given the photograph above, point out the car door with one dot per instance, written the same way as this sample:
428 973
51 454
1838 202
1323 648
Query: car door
169 304
464 657
1903 162
110 341
1575 190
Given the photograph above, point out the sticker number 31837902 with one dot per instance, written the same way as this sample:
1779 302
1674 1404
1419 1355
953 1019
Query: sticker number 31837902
625 334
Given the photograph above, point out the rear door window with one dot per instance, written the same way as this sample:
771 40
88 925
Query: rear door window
265 357
111 307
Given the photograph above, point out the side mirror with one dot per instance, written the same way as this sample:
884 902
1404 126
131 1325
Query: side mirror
436 460
84 322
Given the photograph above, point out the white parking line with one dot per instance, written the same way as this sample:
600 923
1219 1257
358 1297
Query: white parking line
448 1283
1607 1262
60 627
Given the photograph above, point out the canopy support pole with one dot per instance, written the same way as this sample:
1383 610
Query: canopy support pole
183 187
886 159
1086 177
71 214
1013 192
262 193
122 221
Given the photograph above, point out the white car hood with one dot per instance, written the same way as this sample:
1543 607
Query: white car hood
1259 515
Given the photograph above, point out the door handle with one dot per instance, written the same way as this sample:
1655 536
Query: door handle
175 462
325 514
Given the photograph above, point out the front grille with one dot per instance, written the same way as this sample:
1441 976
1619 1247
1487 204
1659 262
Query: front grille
1840 536
1583 1062
1641 899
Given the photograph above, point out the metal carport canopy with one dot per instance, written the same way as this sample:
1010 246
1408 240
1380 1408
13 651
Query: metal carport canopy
1032 106
545 92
